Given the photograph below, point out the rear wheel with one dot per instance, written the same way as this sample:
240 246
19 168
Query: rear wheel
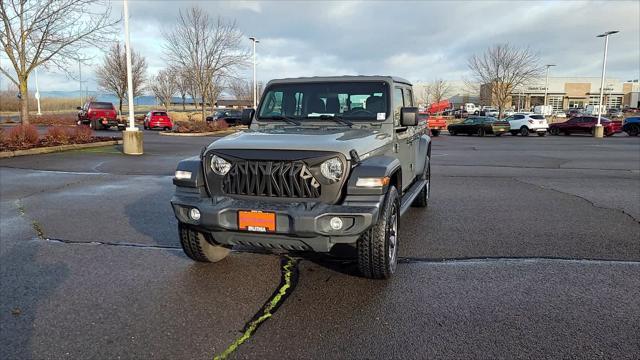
435 133
166 128
481 132
378 247
197 248
633 130
524 131
95 125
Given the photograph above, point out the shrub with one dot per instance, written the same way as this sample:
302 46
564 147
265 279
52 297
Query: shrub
57 136
54 119
3 138
81 134
23 136
219 125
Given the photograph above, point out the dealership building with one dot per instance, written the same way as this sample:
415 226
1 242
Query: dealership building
570 92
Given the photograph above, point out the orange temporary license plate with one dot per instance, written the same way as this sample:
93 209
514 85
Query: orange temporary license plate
257 221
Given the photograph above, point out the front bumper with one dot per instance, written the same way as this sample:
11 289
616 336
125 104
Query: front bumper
300 225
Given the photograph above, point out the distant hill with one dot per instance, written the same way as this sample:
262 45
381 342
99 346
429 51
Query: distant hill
140 100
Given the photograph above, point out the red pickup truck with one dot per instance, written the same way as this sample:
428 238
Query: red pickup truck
437 123
99 115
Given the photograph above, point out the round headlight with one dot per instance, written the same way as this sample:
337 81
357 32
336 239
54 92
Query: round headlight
219 165
332 169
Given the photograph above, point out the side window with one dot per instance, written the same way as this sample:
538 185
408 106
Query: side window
408 97
519 117
398 102
509 118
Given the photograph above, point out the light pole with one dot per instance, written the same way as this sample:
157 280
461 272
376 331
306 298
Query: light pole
546 85
599 131
37 92
255 85
132 138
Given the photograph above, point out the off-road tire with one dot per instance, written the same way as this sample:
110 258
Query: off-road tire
374 260
435 133
197 248
524 131
422 200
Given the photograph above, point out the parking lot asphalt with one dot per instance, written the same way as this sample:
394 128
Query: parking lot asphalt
530 248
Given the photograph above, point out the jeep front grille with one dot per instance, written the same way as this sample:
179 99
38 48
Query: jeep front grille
288 179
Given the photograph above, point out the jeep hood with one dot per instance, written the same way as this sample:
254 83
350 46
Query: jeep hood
299 138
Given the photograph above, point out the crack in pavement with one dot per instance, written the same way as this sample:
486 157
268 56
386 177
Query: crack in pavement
579 197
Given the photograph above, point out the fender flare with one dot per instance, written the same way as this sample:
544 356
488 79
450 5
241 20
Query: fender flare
194 166
374 167
424 152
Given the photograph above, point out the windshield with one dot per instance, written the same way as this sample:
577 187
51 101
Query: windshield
348 100
102 105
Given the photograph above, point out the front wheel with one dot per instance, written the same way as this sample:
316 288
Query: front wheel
481 132
197 248
554 131
633 130
378 246
524 131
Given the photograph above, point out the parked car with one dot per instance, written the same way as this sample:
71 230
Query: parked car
526 123
584 124
99 115
157 119
479 125
559 114
574 112
615 113
489 111
460 114
231 116
631 125
306 182
545 110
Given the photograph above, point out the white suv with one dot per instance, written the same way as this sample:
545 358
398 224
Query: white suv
524 124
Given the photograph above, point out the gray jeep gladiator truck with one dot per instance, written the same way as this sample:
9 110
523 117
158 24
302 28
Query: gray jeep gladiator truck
325 161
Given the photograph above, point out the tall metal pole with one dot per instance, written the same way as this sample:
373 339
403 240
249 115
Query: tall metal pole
132 125
37 92
604 69
80 80
255 84
546 84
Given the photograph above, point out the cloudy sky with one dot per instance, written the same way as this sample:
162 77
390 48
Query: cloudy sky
420 41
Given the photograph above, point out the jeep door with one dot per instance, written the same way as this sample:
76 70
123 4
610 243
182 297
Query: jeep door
404 146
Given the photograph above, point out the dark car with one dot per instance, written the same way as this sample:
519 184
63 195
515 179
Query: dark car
480 125
230 116
584 125
99 115
631 125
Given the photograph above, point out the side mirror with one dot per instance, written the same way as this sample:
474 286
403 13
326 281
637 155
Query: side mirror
78 108
247 116
409 116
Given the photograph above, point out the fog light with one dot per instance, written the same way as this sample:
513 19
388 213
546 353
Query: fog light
335 223
194 214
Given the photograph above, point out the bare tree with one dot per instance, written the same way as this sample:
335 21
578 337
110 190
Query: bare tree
209 50
502 68
182 80
241 89
438 90
215 88
164 86
48 32
112 74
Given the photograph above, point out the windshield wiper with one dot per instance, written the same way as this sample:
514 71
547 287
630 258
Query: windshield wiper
336 118
289 119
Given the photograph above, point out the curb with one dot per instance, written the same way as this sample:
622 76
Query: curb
51 149
211 133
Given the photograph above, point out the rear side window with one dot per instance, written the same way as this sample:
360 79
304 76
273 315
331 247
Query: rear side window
519 117
102 105
537 117
159 113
